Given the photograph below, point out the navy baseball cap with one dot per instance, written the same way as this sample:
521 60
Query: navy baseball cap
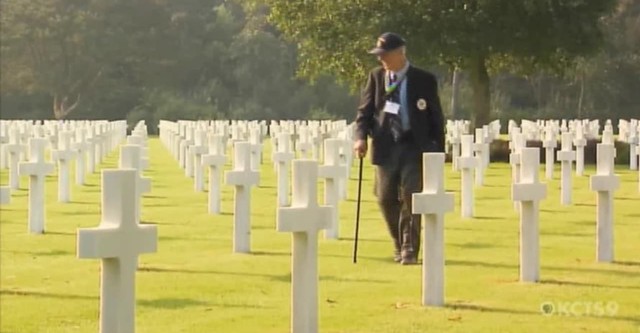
388 41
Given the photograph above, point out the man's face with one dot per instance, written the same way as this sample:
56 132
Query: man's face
391 60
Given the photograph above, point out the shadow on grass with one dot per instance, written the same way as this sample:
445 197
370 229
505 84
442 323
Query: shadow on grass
627 263
566 234
494 185
351 280
472 245
543 268
361 200
34 293
61 233
171 303
43 253
173 238
181 303
280 278
490 218
263 227
153 197
585 284
80 213
488 197
481 308
351 239
271 253
84 202
479 263
387 259
157 205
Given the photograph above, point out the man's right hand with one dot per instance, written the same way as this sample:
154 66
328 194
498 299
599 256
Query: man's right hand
360 148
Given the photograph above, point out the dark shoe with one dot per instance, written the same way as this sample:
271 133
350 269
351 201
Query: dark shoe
408 258
409 261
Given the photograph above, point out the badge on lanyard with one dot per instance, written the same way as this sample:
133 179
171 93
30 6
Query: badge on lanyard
391 107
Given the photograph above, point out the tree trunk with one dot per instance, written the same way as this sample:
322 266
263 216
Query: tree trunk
479 78
455 93
581 97
60 107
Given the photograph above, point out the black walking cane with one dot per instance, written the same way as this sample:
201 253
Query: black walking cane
355 245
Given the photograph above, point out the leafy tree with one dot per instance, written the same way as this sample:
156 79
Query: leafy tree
75 49
475 35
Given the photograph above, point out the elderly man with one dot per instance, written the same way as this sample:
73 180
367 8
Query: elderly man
400 110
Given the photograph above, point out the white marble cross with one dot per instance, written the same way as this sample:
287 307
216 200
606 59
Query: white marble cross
529 191
80 147
487 139
4 139
466 163
580 142
197 150
139 141
255 139
215 161
304 219
566 156
346 160
634 140
243 179
332 172
91 148
518 142
37 168
304 145
5 195
481 148
98 143
14 150
64 154
282 157
130 158
118 241
455 141
605 182
607 136
638 154
185 158
550 143
433 202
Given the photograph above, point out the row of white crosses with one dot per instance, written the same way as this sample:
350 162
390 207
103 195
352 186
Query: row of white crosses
454 131
185 137
629 132
471 156
120 238
101 137
528 192
305 218
199 146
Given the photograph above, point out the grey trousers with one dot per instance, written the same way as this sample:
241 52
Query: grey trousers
396 181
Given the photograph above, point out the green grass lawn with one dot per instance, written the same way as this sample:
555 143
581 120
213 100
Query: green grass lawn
195 284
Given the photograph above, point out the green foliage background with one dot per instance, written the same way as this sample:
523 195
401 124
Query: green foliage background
259 59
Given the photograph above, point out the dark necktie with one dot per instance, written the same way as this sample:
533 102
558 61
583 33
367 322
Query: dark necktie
394 119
